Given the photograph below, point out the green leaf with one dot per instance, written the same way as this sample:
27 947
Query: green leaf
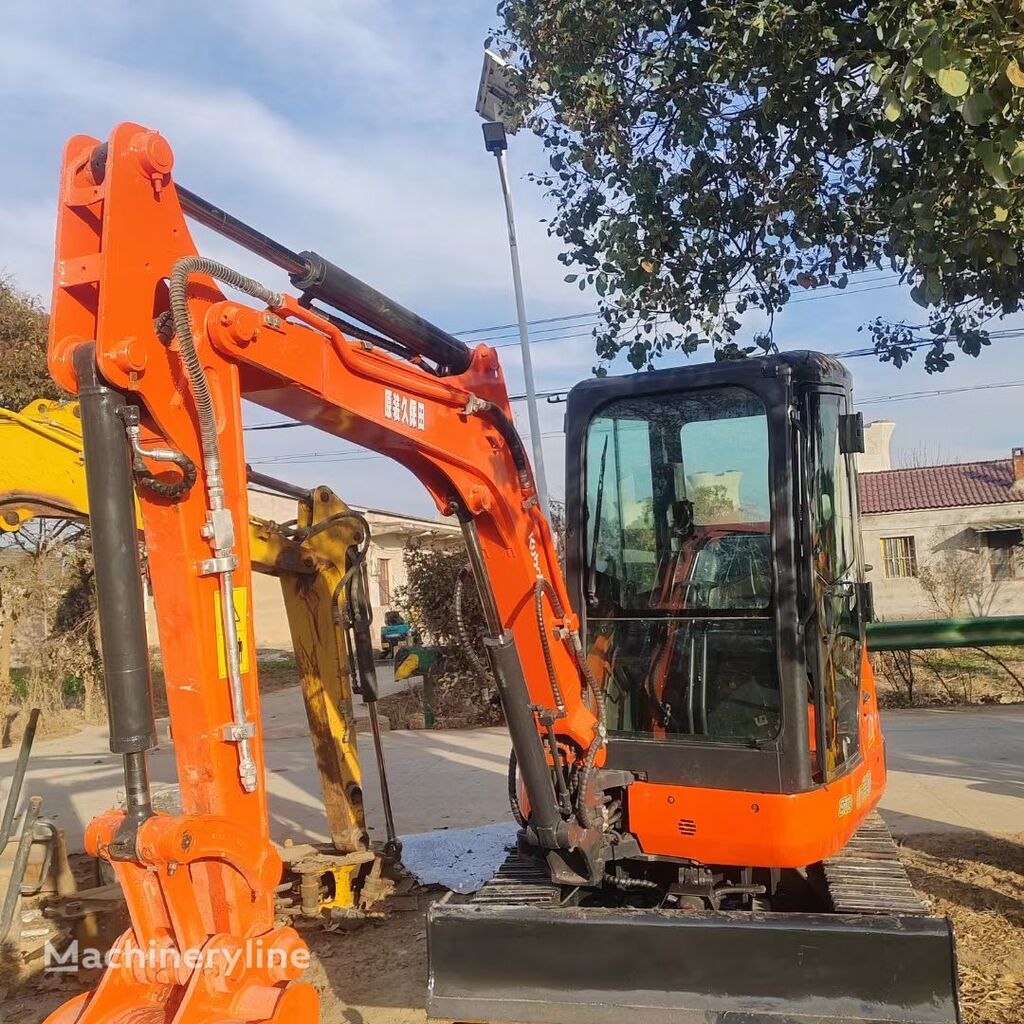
570 278
1017 159
1014 73
1009 255
931 57
925 28
918 295
933 286
893 109
977 109
952 81
1001 213
992 161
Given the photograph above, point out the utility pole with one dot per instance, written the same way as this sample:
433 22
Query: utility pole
493 90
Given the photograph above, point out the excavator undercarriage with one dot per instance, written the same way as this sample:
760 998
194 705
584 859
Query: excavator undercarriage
867 951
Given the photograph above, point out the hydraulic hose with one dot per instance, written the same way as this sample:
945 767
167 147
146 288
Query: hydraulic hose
585 816
513 791
460 621
219 529
541 588
509 435
178 290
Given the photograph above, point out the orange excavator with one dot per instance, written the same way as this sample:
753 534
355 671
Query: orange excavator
697 751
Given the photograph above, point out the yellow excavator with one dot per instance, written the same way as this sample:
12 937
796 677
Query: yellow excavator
42 474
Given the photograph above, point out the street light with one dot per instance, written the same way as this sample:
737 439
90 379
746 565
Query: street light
492 104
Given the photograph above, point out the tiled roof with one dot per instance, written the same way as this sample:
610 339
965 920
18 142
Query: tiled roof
950 486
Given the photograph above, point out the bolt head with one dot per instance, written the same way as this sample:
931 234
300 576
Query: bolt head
154 153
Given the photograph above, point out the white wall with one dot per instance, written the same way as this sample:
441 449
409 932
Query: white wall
932 528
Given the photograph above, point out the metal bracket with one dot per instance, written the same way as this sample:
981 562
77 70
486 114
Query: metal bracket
216 566
235 731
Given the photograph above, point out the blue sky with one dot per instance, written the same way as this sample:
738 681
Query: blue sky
348 127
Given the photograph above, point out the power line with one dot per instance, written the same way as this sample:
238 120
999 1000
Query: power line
910 395
595 318
347 454
577 316
332 456
856 353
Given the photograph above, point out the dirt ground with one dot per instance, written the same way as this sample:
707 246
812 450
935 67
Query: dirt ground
377 974
978 881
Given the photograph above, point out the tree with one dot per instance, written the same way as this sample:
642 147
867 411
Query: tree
957 581
462 686
23 331
709 159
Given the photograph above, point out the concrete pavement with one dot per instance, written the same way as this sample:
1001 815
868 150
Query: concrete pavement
955 769
949 770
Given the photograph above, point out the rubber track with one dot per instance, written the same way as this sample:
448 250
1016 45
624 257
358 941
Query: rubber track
866 876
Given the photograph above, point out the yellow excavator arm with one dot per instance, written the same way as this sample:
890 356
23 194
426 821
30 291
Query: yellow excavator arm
42 474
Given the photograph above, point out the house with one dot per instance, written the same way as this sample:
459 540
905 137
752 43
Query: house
943 540
390 532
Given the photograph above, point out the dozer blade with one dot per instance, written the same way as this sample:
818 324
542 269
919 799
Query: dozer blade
604 966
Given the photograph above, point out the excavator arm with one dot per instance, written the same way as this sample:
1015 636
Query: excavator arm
157 342
42 474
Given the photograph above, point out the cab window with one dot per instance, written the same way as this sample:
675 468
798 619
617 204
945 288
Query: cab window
680 572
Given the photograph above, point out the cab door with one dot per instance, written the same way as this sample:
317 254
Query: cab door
833 632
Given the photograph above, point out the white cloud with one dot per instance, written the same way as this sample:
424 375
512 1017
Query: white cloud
410 214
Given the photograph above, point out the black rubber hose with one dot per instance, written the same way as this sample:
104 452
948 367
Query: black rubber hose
510 436
513 791
541 587
325 524
172 489
631 883
178 290
460 622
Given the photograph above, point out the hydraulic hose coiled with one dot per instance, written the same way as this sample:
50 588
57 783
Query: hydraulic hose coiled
460 621
219 528
178 290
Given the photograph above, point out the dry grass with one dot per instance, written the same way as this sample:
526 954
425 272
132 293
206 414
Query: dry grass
978 881
949 678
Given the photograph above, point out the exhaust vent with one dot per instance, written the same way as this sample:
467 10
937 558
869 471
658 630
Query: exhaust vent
687 827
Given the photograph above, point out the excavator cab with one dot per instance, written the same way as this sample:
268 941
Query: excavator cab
717 562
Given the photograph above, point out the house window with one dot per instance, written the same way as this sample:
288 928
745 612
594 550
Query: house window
384 581
1005 555
899 557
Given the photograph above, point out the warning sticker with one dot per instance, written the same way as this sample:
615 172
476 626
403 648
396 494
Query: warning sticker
240 599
